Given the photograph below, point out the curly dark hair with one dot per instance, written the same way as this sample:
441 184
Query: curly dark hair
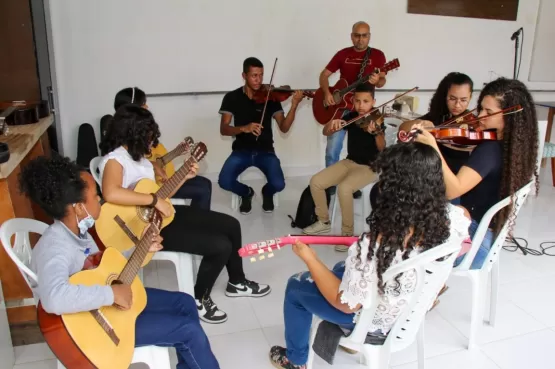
438 105
133 127
412 199
53 184
520 142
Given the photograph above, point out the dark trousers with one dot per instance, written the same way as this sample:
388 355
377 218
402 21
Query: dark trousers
215 236
199 190
239 161
170 319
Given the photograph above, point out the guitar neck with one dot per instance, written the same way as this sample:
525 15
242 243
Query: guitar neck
269 245
136 259
180 149
171 184
386 68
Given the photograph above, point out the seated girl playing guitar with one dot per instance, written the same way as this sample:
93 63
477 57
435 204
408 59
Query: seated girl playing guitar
406 198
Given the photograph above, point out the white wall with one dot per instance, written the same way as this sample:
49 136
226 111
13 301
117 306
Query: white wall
86 84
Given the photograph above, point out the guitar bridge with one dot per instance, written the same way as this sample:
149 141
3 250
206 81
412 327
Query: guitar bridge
126 229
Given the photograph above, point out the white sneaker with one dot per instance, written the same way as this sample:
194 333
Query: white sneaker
318 228
208 311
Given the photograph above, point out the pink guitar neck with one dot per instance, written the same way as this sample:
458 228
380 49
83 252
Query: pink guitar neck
276 243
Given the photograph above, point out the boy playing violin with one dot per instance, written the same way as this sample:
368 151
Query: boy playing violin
353 173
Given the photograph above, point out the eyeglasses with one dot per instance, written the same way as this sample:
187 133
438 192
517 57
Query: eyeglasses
360 35
454 100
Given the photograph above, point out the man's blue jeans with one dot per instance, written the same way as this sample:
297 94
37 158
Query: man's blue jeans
170 319
335 144
302 301
239 161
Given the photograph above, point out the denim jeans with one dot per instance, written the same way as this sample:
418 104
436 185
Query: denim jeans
335 144
239 161
483 251
302 301
199 190
170 319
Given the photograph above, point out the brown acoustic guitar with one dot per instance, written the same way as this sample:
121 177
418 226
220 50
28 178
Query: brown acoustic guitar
343 95
102 338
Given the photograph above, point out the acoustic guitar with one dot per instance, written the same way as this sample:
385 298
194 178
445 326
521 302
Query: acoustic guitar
165 158
265 249
343 96
102 338
119 225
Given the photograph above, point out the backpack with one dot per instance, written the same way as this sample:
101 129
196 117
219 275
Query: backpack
306 214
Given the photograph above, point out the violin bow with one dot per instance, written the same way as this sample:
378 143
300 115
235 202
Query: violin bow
377 108
456 120
267 96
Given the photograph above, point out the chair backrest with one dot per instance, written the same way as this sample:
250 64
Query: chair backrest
518 198
432 269
93 167
20 253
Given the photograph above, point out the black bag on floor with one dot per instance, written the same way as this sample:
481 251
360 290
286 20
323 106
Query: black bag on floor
306 214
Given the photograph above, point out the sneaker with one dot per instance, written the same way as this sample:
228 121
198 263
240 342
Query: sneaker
278 358
246 203
247 289
343 248
208 311
357 194
318 227
268 204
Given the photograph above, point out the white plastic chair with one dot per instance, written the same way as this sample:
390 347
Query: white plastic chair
431 275
479 277
155 357
364 203
236 200
93 167
185 268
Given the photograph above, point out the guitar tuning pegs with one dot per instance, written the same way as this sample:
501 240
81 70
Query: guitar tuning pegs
262 257
271 255
253 260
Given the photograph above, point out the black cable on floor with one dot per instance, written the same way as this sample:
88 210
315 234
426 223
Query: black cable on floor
518 243
544 249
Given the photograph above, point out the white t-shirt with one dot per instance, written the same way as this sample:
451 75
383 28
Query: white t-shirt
133 171
357 283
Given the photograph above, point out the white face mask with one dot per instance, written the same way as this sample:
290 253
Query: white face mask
86 223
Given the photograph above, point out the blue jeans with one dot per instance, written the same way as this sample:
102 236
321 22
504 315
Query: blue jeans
483 251
199 190
239 161
335 144
302 300
170 319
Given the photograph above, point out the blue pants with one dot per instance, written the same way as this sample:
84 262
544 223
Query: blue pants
302 300
483 251
199 190
170 319
239 161
335 144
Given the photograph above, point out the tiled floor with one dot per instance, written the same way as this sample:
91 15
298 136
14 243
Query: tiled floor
522 338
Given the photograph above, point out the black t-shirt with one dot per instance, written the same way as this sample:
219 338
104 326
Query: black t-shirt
487 161
246 111
361 145
455 158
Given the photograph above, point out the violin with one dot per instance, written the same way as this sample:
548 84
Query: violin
365 119
453 135
458 135
278 94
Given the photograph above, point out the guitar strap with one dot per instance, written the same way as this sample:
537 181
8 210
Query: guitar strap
364 63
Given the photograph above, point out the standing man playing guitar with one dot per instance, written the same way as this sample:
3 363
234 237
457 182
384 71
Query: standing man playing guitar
352 63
